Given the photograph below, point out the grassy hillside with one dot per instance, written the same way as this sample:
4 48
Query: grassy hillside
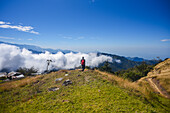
91 91
162 73
159 78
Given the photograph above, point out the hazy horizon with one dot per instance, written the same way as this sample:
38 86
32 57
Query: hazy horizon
124 52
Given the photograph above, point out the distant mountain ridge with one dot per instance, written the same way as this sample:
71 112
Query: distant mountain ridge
137 59
36 49
125 63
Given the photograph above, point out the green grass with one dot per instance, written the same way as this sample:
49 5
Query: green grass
88 93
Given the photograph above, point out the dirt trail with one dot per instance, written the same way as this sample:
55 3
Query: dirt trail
157 87
152 81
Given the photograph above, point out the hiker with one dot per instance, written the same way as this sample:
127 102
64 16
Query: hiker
83 63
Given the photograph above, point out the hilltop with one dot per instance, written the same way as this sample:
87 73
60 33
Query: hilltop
90 91
159 78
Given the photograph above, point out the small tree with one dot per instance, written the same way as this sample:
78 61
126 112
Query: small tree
159 59
106 67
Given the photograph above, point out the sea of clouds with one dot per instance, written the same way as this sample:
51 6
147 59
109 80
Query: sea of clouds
12 57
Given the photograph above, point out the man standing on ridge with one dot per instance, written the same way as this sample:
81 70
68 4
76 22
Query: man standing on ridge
83 63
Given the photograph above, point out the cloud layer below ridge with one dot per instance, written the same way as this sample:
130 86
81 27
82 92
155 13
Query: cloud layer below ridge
12 57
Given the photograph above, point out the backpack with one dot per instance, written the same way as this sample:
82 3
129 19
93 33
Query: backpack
82 62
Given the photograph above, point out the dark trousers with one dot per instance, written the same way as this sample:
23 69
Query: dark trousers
83 67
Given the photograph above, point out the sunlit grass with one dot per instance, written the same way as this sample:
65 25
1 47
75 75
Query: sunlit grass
90 92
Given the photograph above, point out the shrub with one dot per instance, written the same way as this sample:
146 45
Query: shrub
27 71
106 67
87 67
136 72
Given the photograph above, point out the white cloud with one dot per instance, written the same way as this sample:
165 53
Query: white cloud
34 32
29 39
8 23
79 38
67 37
1 22
12 58
118 61
70 37
165 40
6 37
18 27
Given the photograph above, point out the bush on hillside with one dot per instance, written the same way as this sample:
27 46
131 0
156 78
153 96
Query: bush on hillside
27 71
106 67
136 72
87 67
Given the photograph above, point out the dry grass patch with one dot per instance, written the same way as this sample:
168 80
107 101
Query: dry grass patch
161 73
137 87
165 82
19 83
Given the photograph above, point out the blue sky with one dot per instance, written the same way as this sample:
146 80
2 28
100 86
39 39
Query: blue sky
124 27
